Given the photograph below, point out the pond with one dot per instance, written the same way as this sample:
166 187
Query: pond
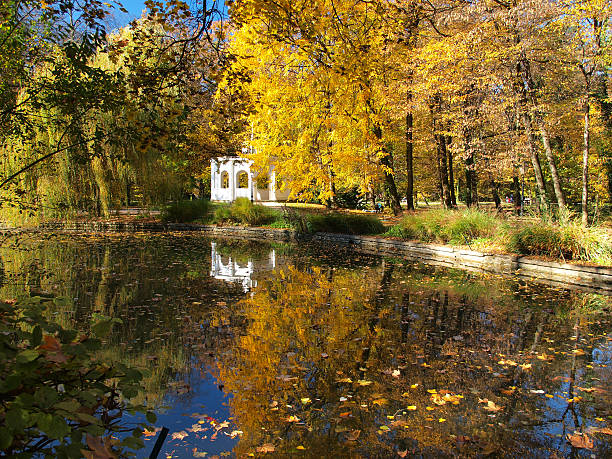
285 350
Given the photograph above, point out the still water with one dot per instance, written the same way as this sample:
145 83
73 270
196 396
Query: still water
300 351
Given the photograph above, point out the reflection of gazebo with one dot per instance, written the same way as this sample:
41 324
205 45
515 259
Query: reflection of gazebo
231 271
231 178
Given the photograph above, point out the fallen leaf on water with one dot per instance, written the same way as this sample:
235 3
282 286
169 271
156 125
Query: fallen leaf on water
99 448
150 433
305 400
293 418
446 398
603 430
363 382
267 448
345 380
402 453
380 401
179 435
580 440
396 373
411 407
300 447
490 405
354 435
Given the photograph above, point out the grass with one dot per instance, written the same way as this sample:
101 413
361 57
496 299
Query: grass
483 230
446 226
477 229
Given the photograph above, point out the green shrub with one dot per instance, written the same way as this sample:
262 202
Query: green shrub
185 211
222 214
344 223
243 211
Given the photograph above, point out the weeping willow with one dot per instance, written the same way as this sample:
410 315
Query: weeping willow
125 152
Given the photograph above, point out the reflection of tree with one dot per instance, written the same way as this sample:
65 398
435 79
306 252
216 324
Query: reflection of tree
127 277
314 366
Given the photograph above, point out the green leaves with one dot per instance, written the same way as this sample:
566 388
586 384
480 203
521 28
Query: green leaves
54 388
27 356
103 325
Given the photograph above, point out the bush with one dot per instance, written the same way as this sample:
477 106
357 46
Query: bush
344 223
57 398
243 211
185 211
446 226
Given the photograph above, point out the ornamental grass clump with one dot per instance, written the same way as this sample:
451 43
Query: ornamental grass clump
569 242
446 226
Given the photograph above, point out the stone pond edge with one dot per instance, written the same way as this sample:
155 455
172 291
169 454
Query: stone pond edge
591 278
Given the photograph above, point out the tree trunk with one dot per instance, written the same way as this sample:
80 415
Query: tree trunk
585 160
390 187
409 157
496 199
468 186
552 166
445 196
535 161
474 183
516 194
440 139
451 175
521 93
469 169
529 88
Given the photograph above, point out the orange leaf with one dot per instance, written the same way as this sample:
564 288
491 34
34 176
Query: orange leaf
580 440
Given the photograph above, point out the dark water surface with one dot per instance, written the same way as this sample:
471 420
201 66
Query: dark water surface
280 350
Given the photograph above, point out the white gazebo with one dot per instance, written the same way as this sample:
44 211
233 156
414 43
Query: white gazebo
231 178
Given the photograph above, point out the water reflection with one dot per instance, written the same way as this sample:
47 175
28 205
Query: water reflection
229 270
332 353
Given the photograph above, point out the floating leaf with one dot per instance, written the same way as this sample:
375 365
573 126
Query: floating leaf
580 440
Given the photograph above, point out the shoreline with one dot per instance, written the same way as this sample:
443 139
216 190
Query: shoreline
590 278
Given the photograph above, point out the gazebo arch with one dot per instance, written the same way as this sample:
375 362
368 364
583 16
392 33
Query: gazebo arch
229 175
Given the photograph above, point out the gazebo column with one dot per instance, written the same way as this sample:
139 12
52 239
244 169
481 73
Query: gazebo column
272 185
232 181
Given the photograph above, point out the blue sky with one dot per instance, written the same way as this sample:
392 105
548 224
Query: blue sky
134 8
